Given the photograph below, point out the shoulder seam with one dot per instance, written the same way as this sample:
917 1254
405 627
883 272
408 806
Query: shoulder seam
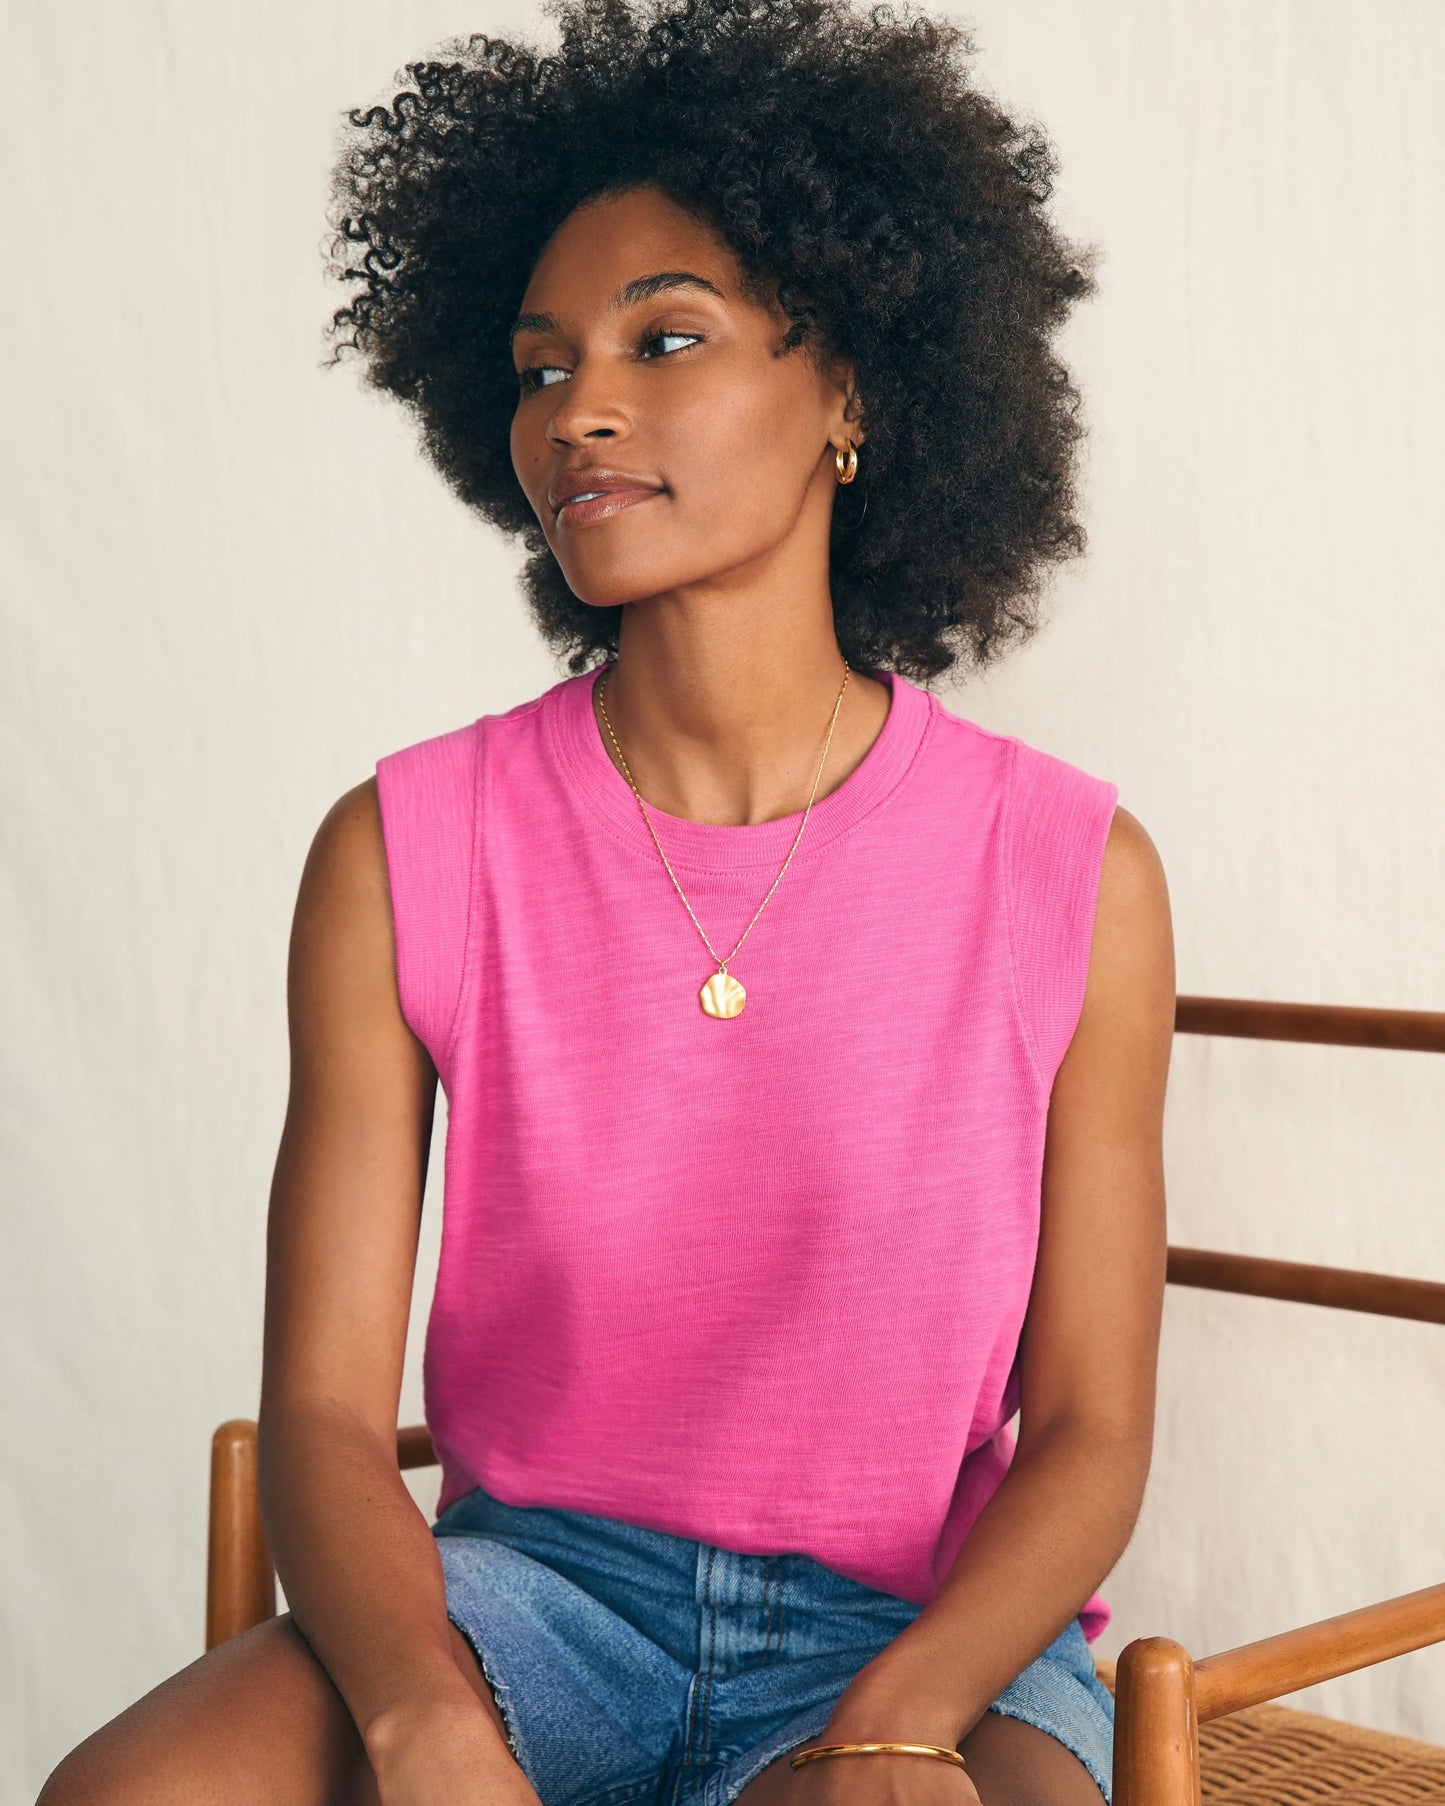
517 712
969 726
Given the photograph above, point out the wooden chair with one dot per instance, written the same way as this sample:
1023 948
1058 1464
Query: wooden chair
1188 1732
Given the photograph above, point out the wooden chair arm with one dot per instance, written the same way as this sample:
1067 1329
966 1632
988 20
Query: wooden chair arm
1163 1695
240 1578
1260 1671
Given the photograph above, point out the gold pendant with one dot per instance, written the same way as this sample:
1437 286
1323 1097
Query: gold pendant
722 995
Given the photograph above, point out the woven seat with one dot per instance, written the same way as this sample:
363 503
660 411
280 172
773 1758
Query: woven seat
1274 1756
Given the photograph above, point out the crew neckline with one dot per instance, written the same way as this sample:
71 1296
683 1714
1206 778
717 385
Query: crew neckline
577 739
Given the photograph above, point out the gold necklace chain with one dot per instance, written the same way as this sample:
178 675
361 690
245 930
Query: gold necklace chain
722 995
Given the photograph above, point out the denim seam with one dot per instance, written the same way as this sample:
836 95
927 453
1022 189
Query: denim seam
767 1611
695 1690
711 1662
777 1608
688 1726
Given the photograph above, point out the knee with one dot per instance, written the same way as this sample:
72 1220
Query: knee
78 1780
110 1769
128 1761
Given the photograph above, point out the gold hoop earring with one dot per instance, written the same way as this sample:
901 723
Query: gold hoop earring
848 469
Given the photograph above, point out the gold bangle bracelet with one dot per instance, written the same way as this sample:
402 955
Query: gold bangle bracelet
848 1749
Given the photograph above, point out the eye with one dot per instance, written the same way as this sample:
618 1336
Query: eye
528 372
529 377
653 337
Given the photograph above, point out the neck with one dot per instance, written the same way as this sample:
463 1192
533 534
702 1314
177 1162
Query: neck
729 726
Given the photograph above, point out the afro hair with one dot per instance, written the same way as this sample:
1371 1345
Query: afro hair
845 157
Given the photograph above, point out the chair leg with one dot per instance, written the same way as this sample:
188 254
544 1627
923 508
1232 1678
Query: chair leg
240 1578
1156 1726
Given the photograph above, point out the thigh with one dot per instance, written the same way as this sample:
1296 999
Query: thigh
256 1718
1012 1763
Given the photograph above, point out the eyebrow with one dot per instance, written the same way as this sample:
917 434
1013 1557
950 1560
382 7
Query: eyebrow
641 288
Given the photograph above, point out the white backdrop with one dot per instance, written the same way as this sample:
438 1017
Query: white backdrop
231 584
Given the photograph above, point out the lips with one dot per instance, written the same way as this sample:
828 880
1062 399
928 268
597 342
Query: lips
590 480
585 508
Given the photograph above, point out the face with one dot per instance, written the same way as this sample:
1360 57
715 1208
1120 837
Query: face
648 371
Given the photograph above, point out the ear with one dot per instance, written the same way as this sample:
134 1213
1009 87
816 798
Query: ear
852 412
853 407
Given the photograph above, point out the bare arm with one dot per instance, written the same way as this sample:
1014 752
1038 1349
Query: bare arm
357 1558
1064 1512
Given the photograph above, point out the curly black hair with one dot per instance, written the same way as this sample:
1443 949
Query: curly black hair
844 156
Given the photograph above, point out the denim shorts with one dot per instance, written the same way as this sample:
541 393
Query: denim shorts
630 1664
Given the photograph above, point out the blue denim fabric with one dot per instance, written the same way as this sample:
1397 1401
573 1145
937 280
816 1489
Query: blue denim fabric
635 1665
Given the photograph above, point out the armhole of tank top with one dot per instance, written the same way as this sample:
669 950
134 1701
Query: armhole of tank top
468 961
1080 839
424 820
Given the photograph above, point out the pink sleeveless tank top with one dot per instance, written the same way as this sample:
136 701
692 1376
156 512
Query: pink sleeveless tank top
759 1280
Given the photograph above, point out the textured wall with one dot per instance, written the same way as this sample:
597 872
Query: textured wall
230 584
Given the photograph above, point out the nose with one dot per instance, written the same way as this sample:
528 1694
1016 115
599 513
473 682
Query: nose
589 405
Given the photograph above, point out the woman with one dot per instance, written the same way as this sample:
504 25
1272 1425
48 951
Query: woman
805 1044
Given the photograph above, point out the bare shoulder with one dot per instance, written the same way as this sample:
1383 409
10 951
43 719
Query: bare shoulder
1133 889
348 853
342 969
1132 865
1131 965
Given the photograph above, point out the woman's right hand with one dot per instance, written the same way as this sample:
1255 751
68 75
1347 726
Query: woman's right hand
446 1753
